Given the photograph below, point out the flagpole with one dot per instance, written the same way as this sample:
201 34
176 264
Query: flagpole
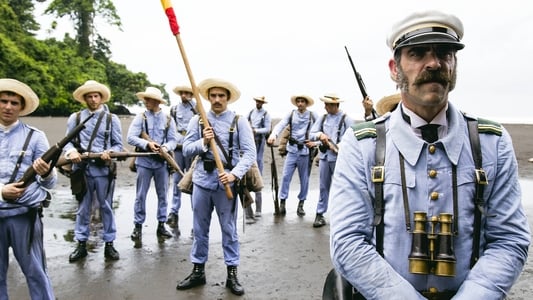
174 27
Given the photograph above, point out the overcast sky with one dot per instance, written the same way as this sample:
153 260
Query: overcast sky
278 48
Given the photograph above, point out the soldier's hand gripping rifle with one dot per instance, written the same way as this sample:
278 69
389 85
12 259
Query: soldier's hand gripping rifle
52 155
165 155
359 79
274 184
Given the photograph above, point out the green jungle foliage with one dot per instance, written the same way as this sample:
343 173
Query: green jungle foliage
54 69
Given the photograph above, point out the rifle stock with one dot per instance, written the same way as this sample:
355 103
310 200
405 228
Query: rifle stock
52 154
165 155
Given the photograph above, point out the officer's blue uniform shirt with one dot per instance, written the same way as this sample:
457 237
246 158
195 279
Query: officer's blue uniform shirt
99 144
330 127
300 126
505 232
242 139
161 129
11 143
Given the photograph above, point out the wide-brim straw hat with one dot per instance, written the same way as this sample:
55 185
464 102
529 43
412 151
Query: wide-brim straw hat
331 98
152 93
207 84
388 103
31 101
181 88
310 100
92 86
260 99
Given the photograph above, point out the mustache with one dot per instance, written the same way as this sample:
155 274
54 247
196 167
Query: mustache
433 76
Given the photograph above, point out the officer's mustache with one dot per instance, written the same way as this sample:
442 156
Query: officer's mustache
433 76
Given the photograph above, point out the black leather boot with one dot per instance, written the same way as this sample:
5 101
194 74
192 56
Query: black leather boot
162 231
232 282
137 232
282 210
196 278
319 221
79 253
300 211
110 252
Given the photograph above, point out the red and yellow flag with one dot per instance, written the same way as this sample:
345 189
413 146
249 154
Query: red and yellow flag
169 11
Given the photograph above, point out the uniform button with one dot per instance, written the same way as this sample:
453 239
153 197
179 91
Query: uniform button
432 149
432 173
434 196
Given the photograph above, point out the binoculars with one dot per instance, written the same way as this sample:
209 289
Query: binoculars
432 251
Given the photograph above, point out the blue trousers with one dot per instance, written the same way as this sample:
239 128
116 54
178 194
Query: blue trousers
326 169
184 164
292 162
144 177
203 203
98 189
15 233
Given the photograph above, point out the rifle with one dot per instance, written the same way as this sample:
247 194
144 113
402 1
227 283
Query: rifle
96 155
359 79
329 144
165 155
52 154
274 184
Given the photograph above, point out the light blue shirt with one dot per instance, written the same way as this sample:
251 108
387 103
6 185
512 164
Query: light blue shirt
333 128
260 121
11 144
505 235
243 148
106 138
161 129
300 129
182 114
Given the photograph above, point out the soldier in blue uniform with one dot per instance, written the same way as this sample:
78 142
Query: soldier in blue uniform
299 148
209 185
401 188
260 121
21 228
181 113
161 133
328 129
102 134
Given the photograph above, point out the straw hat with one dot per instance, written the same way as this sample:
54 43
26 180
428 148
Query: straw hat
260 99
152 93
92 86
388 103
31 101
310 100
207 84
182 88
331 98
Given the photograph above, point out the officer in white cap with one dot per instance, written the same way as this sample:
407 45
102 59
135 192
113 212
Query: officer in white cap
425 201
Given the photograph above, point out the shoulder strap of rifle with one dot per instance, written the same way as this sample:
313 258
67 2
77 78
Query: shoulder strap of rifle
21 156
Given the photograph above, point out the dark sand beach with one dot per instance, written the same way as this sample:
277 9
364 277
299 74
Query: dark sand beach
281 258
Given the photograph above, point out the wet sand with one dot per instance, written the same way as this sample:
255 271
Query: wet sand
281 258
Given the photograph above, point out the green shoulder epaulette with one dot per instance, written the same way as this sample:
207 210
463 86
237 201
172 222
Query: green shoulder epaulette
364 130
490 127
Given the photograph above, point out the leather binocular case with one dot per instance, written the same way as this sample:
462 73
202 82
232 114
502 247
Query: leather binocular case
432 251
